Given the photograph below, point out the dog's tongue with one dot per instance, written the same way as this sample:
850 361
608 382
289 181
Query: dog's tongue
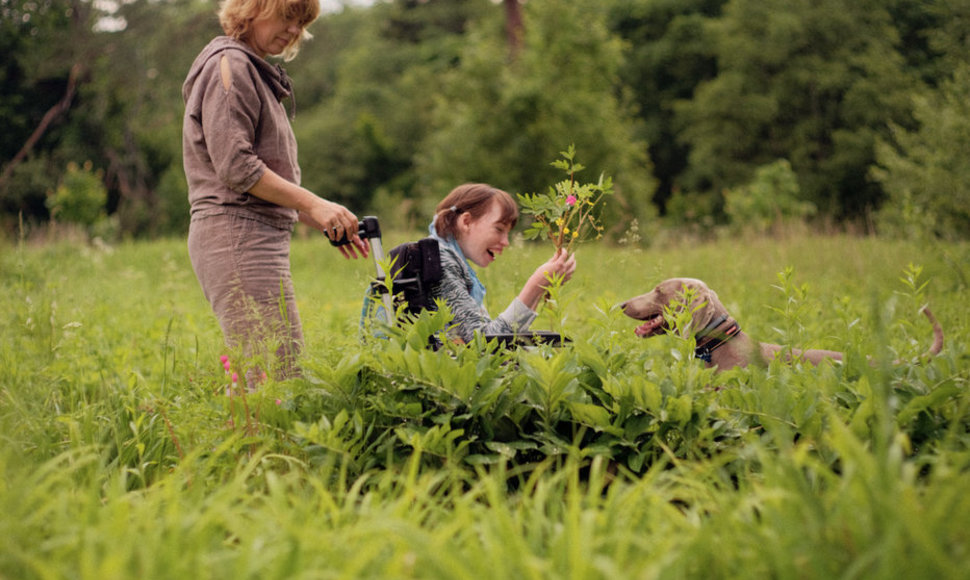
649 327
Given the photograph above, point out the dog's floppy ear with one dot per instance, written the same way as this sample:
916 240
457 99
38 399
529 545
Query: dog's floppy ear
709 309
703 301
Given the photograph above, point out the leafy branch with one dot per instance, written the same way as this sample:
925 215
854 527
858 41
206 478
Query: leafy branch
566 214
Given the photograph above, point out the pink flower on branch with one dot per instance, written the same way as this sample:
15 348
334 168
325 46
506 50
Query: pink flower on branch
569 225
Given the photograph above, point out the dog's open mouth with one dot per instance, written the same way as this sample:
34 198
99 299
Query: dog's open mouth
651 326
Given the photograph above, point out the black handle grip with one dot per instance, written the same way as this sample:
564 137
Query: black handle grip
366 228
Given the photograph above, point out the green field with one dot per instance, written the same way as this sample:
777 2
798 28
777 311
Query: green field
612 457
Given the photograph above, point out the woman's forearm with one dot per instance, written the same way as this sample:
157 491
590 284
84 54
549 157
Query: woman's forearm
332 219
274 189
313 209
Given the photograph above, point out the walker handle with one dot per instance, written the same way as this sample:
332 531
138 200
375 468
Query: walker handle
366 228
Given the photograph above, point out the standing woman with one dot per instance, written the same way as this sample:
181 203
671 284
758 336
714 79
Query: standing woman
240 159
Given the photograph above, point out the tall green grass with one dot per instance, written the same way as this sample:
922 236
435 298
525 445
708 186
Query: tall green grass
610 458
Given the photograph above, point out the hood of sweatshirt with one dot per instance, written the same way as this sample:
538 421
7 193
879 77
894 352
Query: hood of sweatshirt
272 74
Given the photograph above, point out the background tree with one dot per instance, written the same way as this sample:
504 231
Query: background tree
357 143
813 82
47 46
122 71
668 55
924 170
134 112
504 122
398 101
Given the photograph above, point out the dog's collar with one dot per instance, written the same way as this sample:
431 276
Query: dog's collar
715 338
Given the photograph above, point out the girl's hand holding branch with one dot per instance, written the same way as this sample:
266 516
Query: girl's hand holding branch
562 265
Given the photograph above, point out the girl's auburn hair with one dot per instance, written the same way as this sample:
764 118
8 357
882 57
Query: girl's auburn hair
237 16
475 199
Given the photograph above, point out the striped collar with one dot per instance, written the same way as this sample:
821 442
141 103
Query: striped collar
710 338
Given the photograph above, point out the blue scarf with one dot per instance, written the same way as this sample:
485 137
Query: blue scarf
478 289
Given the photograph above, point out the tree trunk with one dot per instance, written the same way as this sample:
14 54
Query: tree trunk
59 108
514 28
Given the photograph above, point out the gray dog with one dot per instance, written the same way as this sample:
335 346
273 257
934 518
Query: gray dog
720 341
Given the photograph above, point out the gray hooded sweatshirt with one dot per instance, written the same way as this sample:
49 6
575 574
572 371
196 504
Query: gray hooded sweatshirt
235 127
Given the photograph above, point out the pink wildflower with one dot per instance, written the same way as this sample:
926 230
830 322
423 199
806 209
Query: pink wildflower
571 200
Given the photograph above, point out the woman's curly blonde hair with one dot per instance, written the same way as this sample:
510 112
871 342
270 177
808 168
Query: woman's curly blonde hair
237 17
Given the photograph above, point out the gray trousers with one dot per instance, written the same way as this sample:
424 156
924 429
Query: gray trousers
243 265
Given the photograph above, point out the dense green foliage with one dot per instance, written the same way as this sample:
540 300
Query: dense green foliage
400 101
80 198
925 171
609 457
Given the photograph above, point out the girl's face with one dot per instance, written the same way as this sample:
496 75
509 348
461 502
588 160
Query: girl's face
271 35
483 239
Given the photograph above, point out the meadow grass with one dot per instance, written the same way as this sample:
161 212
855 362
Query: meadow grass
122 457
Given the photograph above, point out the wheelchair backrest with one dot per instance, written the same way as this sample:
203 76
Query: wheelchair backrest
416 268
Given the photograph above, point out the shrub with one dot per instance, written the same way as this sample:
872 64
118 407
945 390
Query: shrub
81 196
771 200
